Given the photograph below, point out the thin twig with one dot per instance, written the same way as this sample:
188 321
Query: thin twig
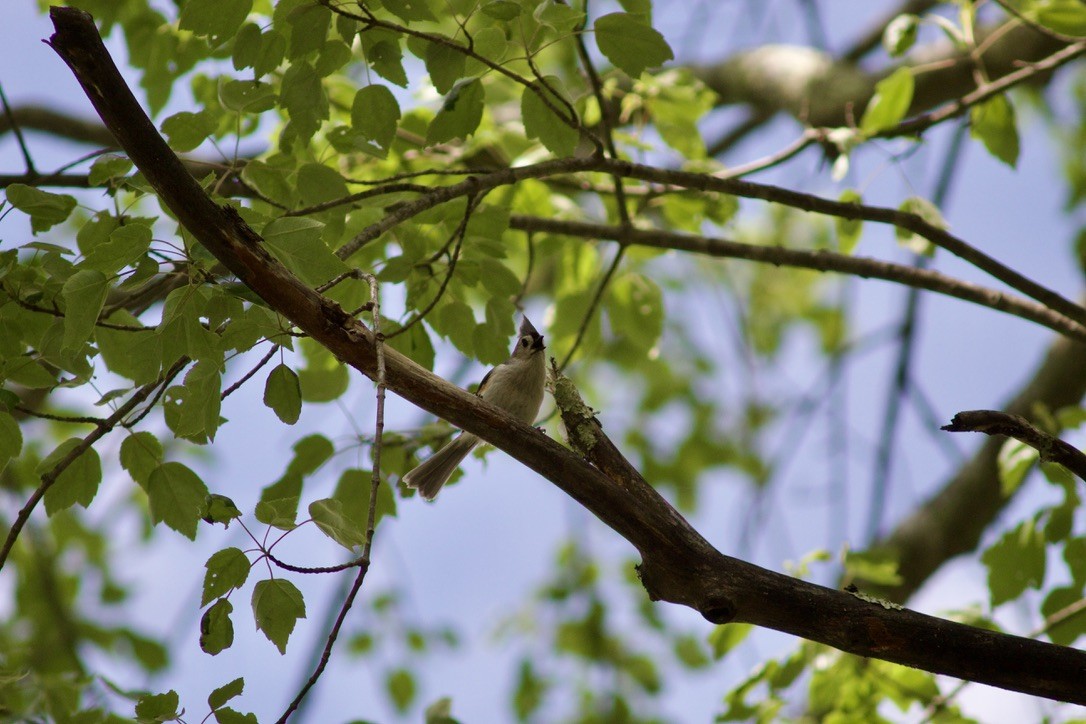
61 418
363 561
27 159
458 235
594 304
248 375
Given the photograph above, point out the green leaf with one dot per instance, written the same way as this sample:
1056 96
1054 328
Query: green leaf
929 212
277 606
459 115
409 10
635 308
900 34
691 652
1016 561
197 414
849 230
297 242
1014 461
381 48
226 692
726 637
219 509
375 114
107 168
216 628
328 514
353 494
303 97
141 454
77 483
994 124
1063 16
529 692
217 19
84 294
283 394
226 715
11 439
501 9
414 343
176 496
543 123
45 210
226 570
440 712
187 130
158 707
324 378
872 567
136 355
127 244
445 64
1067 630
400 684
893 96
456 322
309 24
247 96
630 44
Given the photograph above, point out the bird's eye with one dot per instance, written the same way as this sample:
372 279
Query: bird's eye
524 342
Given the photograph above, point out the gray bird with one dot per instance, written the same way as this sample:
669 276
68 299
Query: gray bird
515 385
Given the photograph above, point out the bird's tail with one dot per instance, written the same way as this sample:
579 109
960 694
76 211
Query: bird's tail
430 475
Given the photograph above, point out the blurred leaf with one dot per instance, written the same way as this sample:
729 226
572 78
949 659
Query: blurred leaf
993 122
630 44
400 685
460 114
218 19
1015 562
548 125
375 114
893 96
726 637
1014 461
900 35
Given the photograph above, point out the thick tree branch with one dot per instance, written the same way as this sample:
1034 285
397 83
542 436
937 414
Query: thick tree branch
813 87
678 564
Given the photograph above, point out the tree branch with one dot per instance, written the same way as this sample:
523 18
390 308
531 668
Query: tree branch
992 422
678 564
820 260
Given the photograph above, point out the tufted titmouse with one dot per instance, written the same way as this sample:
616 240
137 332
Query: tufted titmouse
515 385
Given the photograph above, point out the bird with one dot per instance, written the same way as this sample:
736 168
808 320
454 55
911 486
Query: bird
515 385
